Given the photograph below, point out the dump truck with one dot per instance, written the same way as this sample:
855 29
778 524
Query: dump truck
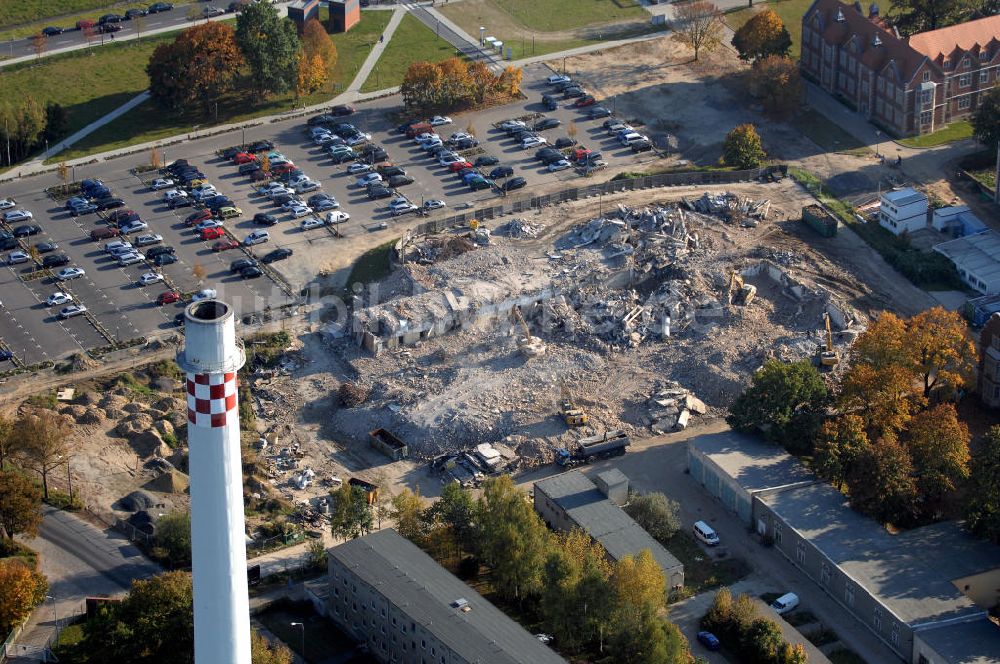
606 445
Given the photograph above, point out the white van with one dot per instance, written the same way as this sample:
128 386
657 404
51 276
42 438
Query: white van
705 533
785 603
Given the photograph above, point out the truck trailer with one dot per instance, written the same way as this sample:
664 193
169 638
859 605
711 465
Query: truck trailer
606 445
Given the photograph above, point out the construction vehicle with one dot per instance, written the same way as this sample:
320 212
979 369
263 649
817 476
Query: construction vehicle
828 356
604 446
571 413
740 293
528 345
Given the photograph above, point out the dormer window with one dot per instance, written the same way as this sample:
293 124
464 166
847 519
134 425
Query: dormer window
927 76
840 16
876 42
984 55
965 62
946 64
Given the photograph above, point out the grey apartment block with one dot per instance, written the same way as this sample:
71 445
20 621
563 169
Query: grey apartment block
902 587
571 500
734 468
390 595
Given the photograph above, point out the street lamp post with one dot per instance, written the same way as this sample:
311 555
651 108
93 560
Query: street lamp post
878 139
482 35
303 628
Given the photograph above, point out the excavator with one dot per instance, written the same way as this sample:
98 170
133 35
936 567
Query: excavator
571 413
739 292
528 345
828 356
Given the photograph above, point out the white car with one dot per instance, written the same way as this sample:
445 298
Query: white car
509 125
458 136
58 298
560 165
72 310
300 210
533 142
204 294
7 203
122 251
449 159
269 187
311 222
68 273
149 278
366 180
293 203
357 168
316 131
134 227
439 120
433 204
161 183
171 194
432 144
148 239
337 217
130 259
257 237
358 139
118 245
306 186
203 191
277 192
424 137
558 78
397 210
16 215
16 257
208 223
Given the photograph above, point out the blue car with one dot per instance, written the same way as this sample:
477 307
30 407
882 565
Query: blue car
5 355
709 640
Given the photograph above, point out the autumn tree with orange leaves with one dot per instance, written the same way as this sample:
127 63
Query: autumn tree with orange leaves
763 35
454 84
200 65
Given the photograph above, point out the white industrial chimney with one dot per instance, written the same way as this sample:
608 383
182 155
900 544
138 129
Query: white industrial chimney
211 358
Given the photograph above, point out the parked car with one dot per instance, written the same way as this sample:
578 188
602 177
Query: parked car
72 310
168 297
336 217
135 12
599 112
27 230
158 7
533 142
501 172
211 12
560 165
18 257
705 533
15 216
58 298
547 123
164 259
786 603
278 254
558 78
68 273
709 640
564 142
204 294
572 92
241 263
513 183
378 192
55 260
340 110
153 252
486 160
211 234
256 237
224 245
433 204
586 100
52 31
264 219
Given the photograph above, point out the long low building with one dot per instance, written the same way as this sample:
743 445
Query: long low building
977 260
571 500
387 593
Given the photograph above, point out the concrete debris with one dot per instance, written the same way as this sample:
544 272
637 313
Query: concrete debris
671 406
519 229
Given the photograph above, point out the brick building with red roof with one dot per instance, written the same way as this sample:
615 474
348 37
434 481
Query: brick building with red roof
906 86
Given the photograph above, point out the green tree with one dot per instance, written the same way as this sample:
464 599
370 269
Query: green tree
10 444
939 446
43 440
153 624
56 122
720 614
881 483
986 119
20 505
317 555
172 543
21 590
270 47
352 515
763 642
657 514
838 445
785 402
913 16
763 35
514 540
982 509
263 651
408 512
742 147
456 509
575 592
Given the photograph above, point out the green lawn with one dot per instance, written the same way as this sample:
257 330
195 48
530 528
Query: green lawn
538 27
411 42
147 123
956 131
323 640
88 83
78 10
704 571
827 135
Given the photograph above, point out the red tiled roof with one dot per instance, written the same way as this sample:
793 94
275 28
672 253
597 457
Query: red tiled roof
964 36
890 49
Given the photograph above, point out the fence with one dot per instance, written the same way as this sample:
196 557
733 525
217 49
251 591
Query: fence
601 189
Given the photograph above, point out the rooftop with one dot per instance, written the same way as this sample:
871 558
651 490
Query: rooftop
604 521
753 464
911 573
978 254
413 582
975 642
964 36
904 196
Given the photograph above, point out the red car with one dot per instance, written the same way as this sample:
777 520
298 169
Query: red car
222 245
458 165
197 217
122 215
168 297
244 158
213 233
281 169
586 100
580 154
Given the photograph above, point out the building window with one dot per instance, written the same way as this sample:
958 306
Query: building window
984 76
964 102
800 553
965 80
777 533
879 106
824 574
843 59
965 63
877 620
899 96
927 76
864 88
984 55
925 118
849 595
926 97
881 84
946 64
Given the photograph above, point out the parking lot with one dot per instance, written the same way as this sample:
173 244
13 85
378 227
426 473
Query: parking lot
120 309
